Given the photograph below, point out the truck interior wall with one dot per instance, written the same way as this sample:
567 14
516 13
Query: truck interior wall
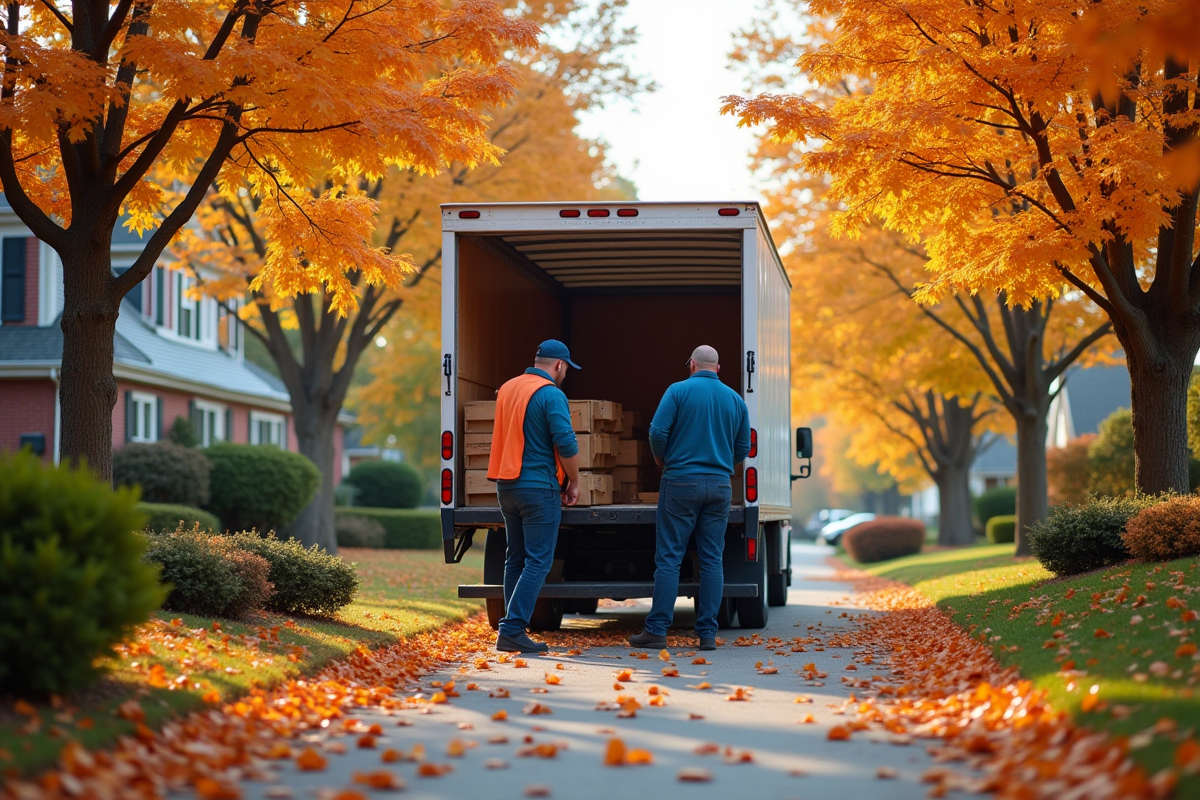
632 346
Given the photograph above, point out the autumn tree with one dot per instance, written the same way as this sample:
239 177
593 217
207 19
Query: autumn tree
1054 148
314 342
134 109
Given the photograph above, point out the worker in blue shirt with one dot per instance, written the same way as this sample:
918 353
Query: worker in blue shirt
700 432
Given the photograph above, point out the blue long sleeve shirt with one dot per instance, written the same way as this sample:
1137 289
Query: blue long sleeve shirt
547 425
701 427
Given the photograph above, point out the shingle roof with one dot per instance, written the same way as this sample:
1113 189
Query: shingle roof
1095 393
997 458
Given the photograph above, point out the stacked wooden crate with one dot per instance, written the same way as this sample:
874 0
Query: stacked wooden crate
634 472
479 420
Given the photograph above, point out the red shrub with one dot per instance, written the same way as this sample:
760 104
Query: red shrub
1167 530
883 538
1068 471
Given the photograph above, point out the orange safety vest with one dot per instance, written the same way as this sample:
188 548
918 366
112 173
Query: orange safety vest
508 436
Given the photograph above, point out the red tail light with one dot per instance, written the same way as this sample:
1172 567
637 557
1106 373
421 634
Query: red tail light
626 212
753 443
569 213
729 212
751 548
468 215
751 485
597 212
447 445
447 487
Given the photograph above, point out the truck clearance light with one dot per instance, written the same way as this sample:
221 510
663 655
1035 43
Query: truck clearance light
751 548
751 485
447 445
729 212
569 213
626 212
753 443
597 212
468 215
447 487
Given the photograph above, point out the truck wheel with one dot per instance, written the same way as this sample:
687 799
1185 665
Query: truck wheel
752 611
495 612
725 611
777 589
495 548
547 614
584 606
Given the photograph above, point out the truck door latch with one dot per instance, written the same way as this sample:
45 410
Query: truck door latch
749 371
446 371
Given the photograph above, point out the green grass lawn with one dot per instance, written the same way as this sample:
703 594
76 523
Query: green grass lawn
402 593
1070 635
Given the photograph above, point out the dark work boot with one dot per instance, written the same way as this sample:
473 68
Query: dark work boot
645 639
519 644
708 643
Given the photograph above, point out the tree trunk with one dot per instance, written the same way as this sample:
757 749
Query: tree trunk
1160 421
954 506
88 390
1032 503
314 435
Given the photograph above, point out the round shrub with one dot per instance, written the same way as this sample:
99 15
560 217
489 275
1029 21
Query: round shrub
305 581
183 432
1082 538
259 486
194 567
1167 530
253 572
386 484
1002 529
167 472
168 516
996 502
72 579
355 531
884 538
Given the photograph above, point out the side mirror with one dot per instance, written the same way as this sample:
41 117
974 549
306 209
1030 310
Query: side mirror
804 443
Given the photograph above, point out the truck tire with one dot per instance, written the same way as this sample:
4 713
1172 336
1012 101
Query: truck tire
547 614
587 605
495 549
495 612
777 584
725 612
752 612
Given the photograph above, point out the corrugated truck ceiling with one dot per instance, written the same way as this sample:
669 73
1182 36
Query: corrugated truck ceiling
610 259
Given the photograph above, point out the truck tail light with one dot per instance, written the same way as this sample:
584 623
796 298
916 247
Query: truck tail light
751 548
751 485
729 212
447 487
753 443
597 212
569 213
447 445
468 215
626 212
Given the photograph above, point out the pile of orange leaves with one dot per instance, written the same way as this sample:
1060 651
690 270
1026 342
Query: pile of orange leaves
946 686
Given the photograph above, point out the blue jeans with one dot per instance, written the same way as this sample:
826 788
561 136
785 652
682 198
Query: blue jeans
531 518
690 504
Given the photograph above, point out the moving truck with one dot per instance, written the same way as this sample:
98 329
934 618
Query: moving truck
631 288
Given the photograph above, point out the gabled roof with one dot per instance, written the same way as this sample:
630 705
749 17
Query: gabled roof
1095 393
41 344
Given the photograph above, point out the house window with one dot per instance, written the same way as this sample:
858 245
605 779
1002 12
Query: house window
142 418
229 327
209 421
187 319
12 281
268 429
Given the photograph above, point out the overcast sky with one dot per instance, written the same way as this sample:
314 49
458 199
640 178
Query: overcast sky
673 143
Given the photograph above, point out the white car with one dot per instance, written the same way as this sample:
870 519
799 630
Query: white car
831 534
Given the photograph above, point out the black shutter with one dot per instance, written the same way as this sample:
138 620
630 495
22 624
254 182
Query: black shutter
160 287
194 419
228 437
158 434
128 415
12 280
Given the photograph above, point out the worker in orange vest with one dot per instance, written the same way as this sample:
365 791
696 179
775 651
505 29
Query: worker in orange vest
535 464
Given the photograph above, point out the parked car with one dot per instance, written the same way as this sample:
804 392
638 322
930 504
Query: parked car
819 519
831 534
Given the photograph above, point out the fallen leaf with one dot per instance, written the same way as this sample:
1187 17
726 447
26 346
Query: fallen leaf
625 675
614 753
808 720
535 708
381 779
538 790
428 770
500 716
500 692
366 741
886 773
708 749
311 761
552 679
209 789
694 775
838 733
639 757
520 663
663 655
495 763
670 672
740 693
700 660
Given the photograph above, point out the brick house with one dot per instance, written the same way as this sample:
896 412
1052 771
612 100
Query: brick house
174 357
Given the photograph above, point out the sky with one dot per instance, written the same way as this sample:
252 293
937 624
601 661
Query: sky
673 143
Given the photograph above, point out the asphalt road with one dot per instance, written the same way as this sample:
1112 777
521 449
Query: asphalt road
790 759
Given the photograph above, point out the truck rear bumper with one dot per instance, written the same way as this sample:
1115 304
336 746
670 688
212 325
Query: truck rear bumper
645 514
623 591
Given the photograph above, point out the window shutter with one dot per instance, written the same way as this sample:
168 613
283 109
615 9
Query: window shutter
283 430
227 434
160 285
158 402
128 416
12 280
249 427
194 418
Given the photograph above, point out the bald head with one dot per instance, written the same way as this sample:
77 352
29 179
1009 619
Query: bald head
706 357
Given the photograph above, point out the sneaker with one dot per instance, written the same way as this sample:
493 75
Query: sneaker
646 639
519 644
707 643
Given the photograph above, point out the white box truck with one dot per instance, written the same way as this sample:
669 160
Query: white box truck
631 288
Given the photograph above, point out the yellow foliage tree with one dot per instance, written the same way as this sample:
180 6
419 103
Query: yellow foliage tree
136 108
1051 148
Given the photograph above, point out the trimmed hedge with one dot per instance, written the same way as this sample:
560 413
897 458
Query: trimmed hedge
169 516
355 531
195 569
386 484
996 502
305 581
404 528
884 538
1079 539
165 471
1165 531
259 487
1002 529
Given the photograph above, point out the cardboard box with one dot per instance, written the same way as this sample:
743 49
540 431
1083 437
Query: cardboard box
479 416
648 497
631 425
631 453
597 450
595 416
477 461
595 489
477 444
478 490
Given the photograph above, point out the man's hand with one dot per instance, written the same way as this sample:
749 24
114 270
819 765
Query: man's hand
571 496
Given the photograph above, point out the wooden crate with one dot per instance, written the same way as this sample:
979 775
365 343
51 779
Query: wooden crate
477 444
627 474
477 461
625 493
631 425
479 416
648 497
597 450
595 489
595 416
478 490
631 453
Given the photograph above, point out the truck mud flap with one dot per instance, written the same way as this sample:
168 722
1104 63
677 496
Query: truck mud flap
576 589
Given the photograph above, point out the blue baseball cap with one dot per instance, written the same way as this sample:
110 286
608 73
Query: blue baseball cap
553 348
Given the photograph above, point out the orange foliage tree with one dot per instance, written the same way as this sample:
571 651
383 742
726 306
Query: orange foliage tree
1052 147
136 108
